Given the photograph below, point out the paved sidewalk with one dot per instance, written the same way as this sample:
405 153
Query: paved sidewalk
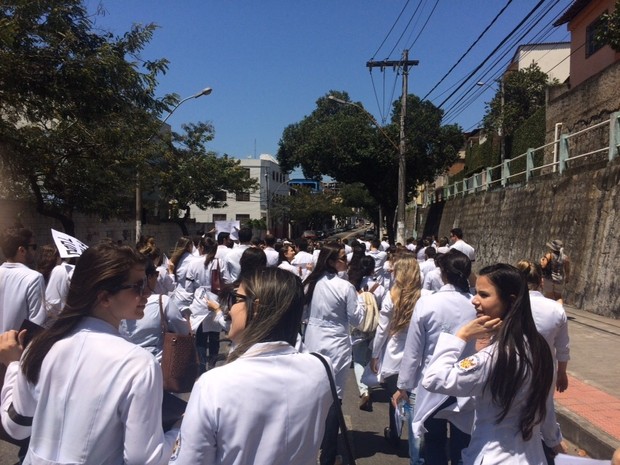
589 410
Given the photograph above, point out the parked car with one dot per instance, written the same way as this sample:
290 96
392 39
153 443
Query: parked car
309 234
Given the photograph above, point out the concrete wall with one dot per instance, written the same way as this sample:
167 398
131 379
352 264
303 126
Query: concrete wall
587 104
87 229
582 208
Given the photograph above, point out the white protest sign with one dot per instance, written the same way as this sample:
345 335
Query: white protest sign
226 226
68 246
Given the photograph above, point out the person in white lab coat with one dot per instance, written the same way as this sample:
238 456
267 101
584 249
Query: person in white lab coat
551 322
80 391
509 380
147 331
389 342
268 404
22 289
333 306
444 311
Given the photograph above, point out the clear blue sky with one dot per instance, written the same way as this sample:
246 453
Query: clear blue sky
269 61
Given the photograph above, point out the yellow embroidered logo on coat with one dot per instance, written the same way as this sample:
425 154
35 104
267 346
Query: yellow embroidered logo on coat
468 364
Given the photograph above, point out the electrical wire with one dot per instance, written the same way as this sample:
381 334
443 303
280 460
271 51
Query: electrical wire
482 34
536 7
391 29
424 26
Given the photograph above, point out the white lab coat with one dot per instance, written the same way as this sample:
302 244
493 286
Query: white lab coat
232 267
335 305
57 288
444 311
267 407
22 296
296 270
147 331
272 256
98 400
199 275
388 348
491 443
464 247
551 323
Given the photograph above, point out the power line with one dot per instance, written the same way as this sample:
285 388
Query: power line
538 5
486 29
391 29
424 26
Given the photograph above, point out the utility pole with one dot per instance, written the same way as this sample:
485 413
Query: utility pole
405 63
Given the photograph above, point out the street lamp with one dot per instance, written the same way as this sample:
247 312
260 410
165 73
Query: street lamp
205 91
400 216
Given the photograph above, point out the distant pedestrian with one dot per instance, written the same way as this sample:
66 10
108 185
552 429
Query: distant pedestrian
556 270
456 236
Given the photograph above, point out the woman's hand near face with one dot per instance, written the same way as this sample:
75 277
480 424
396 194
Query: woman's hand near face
482 326
11 346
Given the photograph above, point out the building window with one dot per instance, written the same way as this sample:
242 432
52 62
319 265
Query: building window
220 196
593 30
242 197
242 219
219 217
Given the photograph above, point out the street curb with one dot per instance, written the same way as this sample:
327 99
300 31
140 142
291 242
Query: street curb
596 442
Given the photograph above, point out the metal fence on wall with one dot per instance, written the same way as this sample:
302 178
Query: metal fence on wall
596 143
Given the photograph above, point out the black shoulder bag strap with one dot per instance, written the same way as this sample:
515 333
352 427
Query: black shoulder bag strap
338 407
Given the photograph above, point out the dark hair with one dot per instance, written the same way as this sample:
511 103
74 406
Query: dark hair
13 238
329 252
221 237
252 259
458 232
302 244
270 240
282 252
275 301
46 260
245 235
430 252
521 351
456 267
102 267
209 246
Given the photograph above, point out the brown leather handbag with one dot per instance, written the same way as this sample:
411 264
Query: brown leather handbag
179 361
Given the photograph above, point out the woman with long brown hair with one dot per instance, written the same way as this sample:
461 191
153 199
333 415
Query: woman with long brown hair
80 391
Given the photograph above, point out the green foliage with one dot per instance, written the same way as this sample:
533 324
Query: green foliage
259 223
76 108
312 210
188 173
342 141
610 34
531 134
356 196
523 94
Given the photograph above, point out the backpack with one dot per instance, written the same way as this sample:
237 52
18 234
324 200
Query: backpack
371 318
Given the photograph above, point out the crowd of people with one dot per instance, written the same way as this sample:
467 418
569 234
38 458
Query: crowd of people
470 361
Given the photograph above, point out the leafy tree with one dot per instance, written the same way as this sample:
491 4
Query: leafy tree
190 174
610 34
76 107
312 210
343 142
356 196
523 92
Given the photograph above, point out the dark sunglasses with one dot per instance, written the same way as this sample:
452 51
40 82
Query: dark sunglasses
140 288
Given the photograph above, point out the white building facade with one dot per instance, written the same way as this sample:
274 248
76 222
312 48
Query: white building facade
251 205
